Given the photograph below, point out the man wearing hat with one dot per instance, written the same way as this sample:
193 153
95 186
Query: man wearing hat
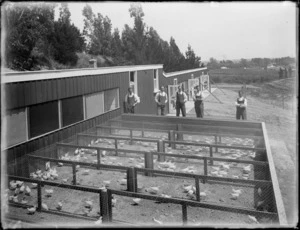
161 100
181 99
131 100
198 99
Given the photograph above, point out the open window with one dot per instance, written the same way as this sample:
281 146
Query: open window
133 81
94 105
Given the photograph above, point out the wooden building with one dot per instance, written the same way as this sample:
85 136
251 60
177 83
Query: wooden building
40 108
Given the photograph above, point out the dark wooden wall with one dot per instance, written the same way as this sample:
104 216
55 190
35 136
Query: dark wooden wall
28 93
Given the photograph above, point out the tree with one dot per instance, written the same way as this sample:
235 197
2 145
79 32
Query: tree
29 28
88 28
139 33
213 63
67 38
116 44
191 60
128 44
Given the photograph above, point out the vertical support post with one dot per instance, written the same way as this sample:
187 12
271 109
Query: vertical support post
27 166
179 135
104 206
220 139
184 214
148 162
109 205
130 179
116 146
197 181
77 139
205 166
211 155
39 195
74 173
98 159
171 138
57 151
161 148
130 137
216 142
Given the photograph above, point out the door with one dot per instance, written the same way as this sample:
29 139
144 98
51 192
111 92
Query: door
172 90
192 83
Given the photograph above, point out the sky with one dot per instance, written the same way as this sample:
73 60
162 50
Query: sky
225 31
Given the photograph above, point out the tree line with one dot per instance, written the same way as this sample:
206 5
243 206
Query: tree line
34 40
252 63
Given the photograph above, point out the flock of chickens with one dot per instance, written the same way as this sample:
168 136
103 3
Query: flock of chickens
220 170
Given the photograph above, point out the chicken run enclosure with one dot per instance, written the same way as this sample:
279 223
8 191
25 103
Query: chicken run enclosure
145 170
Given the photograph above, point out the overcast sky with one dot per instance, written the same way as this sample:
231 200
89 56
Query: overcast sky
219 30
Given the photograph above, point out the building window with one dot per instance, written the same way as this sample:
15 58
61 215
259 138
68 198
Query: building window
72 110
15 127
175 81
43 118
111 99
133 81
155 80
94 105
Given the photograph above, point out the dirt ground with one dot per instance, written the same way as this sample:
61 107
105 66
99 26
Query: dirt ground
265 105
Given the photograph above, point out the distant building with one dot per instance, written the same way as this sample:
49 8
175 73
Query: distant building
224 67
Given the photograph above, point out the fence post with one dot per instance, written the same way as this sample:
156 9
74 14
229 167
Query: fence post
171 138
197 181
161 149
109 205
130 179
130 137
184 214
116 146
98 159
39 195
74 173
104 206
211 155
179 135
148 162
205 166
216 142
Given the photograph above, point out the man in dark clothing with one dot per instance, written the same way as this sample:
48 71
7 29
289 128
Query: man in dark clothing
280 73
161 100
241 104
181 99
131 100
285 73
198 99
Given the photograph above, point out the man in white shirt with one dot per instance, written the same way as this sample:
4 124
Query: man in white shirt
131 100
198 99
181 99
161 99
241 104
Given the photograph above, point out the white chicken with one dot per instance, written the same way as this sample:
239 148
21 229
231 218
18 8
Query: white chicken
77 167
103 153
27 191
45 207
235 176
47 166
234 196
123 182
76 152
24 201
13 185
15 199
22 188
153 190
86 172
88 204
237 190
165 196
136 201
259 192
34 185
99 221
107 183
214 173
19 183
203 194
253 219
157 221
113 201
31 210
187 188
49 192
59 206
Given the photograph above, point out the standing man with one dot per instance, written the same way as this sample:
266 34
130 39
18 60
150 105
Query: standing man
241 104
198 99
161 100
181 99
131 100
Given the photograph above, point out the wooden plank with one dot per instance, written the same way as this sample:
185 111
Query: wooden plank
191 121
20 95
39 91
276 189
